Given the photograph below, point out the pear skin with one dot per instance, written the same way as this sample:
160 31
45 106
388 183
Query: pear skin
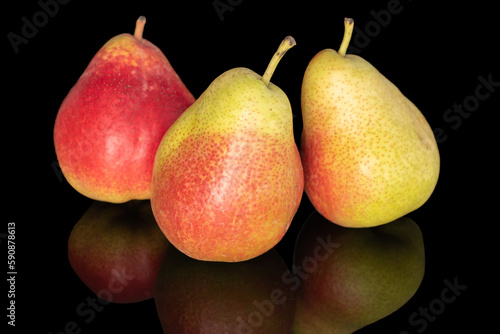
366 274
368 153
111 122
227 178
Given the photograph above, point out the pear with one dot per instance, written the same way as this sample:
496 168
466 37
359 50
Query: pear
111 122
368 153
193 296
227 177
117 249
362 276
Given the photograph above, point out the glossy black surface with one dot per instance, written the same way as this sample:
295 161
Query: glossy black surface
444 59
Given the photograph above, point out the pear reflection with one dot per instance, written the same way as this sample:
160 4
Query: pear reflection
195 296
117 249
352 277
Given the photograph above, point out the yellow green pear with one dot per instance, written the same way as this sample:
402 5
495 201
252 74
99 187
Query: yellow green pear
368 153
227 177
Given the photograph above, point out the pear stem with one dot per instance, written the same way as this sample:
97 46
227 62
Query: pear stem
349 26
139 27
287 43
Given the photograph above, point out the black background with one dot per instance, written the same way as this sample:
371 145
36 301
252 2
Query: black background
435 55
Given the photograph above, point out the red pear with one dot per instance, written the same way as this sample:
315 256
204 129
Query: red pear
117 250
111 122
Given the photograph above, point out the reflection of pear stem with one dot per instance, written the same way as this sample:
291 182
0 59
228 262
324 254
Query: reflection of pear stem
139 27
285 45
349 25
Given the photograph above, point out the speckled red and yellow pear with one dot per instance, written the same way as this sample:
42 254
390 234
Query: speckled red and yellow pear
111 122
368 153
227 178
